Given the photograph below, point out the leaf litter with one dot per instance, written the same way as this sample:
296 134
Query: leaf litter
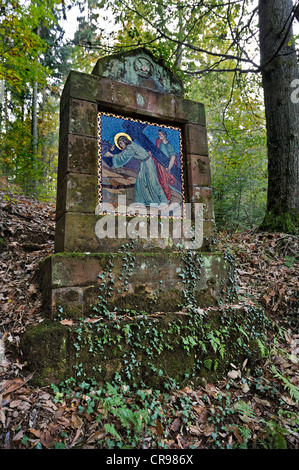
242 410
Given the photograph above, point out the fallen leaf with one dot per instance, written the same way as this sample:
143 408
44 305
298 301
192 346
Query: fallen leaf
237 434
207 429
77 421
46 439
18 436
15 403
175 425
2 418
12 385
159 427
96 436
194 430
245 387
35 432
67 322
261 401
234 374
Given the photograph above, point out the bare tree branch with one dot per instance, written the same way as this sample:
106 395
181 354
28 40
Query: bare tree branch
188 45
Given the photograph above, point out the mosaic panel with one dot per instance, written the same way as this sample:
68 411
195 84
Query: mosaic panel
141 162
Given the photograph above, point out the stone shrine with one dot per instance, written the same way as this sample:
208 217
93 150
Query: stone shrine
133 168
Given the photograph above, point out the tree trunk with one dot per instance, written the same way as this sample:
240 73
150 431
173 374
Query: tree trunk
279 68
34 120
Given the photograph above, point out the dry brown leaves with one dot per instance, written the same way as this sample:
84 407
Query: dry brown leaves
268 268
27 236
29 417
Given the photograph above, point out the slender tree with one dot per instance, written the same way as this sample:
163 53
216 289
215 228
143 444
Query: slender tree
279 67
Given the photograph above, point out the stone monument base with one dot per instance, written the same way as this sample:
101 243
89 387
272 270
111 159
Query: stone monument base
74 283
98 306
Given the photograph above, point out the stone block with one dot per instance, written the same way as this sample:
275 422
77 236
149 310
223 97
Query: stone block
203 195
123 96
190 111
72 270
79 117
76 232
148 281
142 101
77 154
157 105
77 192
86 87
69 302
209 228
138 67
46 347
196 140
159 345
199 170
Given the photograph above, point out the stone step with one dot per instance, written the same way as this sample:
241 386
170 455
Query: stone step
77 283
144 349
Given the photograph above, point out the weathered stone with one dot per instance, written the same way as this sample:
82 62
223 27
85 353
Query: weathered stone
77 154
140 68
156 105
78 193
123 96
76 232
77 279
46 346
79 117
86 87
190 111
68 300
72 269
203 195
163 342
199 170
209 228
196 139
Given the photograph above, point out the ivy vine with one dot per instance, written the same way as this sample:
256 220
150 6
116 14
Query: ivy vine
137 338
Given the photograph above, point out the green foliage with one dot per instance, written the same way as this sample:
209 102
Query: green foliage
237 147
293 389
112 405
35 175
20 44
131 413
30 35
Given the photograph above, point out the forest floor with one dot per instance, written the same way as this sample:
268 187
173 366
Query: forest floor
245 409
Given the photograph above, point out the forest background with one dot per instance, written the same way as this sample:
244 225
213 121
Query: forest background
41 41
214 48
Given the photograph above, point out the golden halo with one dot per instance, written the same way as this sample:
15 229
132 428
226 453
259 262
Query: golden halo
119 135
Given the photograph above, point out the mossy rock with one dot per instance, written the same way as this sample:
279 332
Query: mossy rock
46 346
144 349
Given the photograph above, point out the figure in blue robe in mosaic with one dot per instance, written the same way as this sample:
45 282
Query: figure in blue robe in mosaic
148 191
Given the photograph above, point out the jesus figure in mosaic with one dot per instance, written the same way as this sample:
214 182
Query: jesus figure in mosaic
148 190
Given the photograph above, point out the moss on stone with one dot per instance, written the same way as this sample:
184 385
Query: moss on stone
46 346
142 301
146 349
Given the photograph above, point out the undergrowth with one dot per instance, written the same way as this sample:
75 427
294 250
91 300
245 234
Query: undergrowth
133 415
